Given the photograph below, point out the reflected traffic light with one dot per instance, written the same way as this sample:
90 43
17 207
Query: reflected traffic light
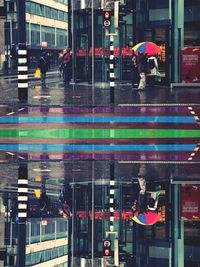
106 248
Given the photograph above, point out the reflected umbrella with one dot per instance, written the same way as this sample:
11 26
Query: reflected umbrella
149 218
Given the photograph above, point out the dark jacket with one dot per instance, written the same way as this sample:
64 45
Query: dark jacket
43 64
142 63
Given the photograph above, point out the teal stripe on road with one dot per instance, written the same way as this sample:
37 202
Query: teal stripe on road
99 119
74 148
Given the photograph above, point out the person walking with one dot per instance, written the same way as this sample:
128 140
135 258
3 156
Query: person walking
60 57
142 69
66 66
44 66
152 67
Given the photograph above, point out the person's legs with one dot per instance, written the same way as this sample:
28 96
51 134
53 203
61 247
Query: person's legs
43 78
142 83
142 183
65 75
134 77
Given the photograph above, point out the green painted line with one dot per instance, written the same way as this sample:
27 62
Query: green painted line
100 133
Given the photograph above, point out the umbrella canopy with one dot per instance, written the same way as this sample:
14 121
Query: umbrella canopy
149 218
147 47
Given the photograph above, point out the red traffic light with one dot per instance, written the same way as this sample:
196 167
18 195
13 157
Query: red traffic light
107 14
107 252
106 247
107 18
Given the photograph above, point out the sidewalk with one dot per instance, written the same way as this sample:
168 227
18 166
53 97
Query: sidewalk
13 72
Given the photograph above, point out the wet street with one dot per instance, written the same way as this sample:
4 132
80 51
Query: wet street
74 135
75 123
84 94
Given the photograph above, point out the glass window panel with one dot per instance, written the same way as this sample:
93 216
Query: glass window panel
61 15
28 7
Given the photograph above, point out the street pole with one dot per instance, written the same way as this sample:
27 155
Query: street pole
112 72
22 53
22 213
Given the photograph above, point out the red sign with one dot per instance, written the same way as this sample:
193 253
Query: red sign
127 52
190 65
190 202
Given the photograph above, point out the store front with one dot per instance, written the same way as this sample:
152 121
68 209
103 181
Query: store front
134 27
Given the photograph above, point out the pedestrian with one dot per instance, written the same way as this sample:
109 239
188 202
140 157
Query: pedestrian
60 66
44 66
146 200
134 69
142 69
67 66
152 70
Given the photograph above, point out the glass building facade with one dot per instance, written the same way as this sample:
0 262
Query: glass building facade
46 29
143 20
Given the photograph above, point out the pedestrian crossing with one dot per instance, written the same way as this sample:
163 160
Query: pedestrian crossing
123 133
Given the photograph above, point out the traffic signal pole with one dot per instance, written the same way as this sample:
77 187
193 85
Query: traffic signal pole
107 24
22 53
22 213
111 231
112 71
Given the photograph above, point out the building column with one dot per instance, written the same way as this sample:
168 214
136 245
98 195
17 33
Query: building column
177 229
177 37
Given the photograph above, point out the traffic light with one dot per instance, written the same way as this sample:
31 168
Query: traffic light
122 14
106 248
107 18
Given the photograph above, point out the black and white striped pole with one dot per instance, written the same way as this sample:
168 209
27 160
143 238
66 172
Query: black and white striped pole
22 53
112 196
112 231
112 71
22 73
22 199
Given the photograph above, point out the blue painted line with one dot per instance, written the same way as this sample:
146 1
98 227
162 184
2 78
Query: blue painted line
100 119
111 147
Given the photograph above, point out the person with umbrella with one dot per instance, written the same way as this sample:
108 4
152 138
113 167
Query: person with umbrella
145 206
144 50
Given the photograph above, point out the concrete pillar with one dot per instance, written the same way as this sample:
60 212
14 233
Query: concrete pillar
177 230
177 36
